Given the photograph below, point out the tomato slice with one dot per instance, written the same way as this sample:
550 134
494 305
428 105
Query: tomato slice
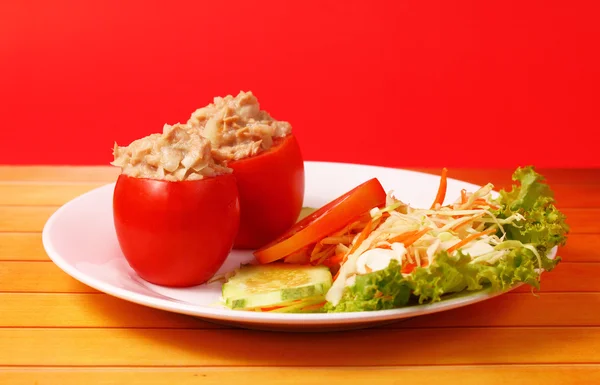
326 220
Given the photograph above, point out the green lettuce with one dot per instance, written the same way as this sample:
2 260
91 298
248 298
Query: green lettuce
388 288
543 225
379 290
529 240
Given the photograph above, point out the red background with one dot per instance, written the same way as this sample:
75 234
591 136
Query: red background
396 83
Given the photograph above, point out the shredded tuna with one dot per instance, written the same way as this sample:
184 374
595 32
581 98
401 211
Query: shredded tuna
179 153
236 126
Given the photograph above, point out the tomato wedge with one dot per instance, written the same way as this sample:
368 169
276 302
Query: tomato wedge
326 220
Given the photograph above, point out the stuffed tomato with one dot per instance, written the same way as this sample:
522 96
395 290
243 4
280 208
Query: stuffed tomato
271 200
176 212
266 161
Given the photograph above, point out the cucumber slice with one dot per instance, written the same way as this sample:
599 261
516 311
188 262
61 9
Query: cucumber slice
258 286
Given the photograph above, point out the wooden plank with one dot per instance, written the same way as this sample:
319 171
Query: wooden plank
576 196
38 277
570 277
32 219
22 247
517 309
42 194
581 248
100 310
46 277
59 173
24 218
28 247
235 347
87 310
583 221
451 375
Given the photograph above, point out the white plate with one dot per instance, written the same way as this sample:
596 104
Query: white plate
80 238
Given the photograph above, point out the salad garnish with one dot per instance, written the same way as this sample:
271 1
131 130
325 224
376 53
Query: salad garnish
396 255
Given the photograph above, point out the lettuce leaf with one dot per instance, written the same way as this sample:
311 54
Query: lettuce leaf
388 288
543 225
379 290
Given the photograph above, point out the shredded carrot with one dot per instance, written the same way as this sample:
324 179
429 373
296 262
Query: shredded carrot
409 241
403 236
408 268
335 260
441 194
330 252
468 239
365 233
316 249
271 308
473 218
463 196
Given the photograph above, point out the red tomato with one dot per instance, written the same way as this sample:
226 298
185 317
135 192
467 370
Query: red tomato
271 187
328 219
176 233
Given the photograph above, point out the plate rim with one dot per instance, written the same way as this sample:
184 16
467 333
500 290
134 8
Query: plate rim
238 316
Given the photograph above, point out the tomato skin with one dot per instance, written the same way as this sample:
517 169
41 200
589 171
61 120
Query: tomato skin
326 220
176 233
271 188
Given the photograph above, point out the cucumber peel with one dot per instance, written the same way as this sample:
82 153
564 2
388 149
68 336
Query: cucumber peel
286 287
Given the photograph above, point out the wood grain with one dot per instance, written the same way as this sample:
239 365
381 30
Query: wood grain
581 248
223 347
56 330
583 221
22 247
451 375
58 173
103 311
24 218
42 194
38 277
518 309
87 310
561 279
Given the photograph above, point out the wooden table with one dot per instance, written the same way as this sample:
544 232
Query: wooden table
55 330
